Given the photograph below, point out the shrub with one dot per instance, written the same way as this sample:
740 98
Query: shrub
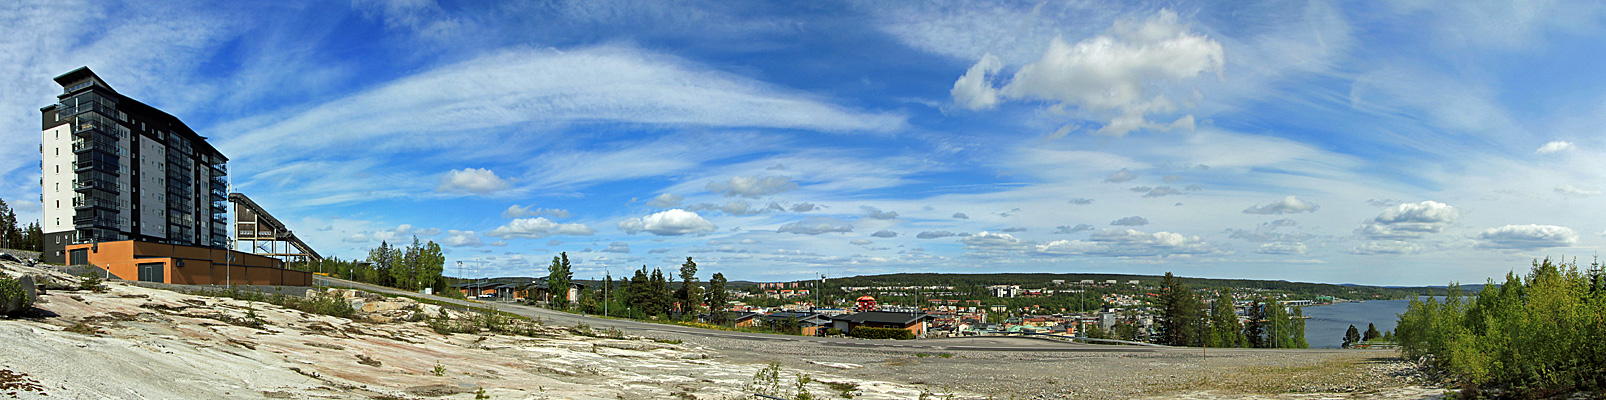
11 291
865 332
1543 334
90 282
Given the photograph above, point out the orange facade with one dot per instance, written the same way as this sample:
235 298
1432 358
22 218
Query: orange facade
185 265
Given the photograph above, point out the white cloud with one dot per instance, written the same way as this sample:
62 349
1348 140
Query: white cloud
1569 190
934 234
1288 205
993 242
668 223
861 242
1111 78
1128 243
1121 176
530 228
753 186
1130 221
1528 237
1554 147
960 215
734 207
804 207
423 17
1081 201
884 234
1067 229
1378 247
1282 248
1411 220
471 180
666 200
815 226
617 247
876 213
974 90
457 238
534 88
516 211
1160 191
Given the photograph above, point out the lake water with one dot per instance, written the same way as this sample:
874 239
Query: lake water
1327 324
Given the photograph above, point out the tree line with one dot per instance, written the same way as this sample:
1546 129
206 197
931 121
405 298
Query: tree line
417 266
1540 335
30 237
1185 321
655 294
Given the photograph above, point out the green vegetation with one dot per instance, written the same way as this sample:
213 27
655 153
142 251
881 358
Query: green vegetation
89 282
1534 336
11 292
865 332
1183 322
414 267
557 281
973 287
319 303
440 370
12 236
767 382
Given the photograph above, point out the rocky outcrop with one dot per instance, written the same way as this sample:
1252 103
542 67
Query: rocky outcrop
140 342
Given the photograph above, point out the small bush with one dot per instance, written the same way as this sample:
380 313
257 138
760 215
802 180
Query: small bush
865 332
91 283
11 291
440 370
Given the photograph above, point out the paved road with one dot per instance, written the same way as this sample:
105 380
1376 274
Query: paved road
966 343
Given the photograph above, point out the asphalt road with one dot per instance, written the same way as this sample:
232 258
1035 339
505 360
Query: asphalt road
964 343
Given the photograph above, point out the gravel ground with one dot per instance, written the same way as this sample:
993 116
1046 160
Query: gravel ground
1170 374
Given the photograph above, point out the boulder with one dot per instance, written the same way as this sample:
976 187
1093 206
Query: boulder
12 304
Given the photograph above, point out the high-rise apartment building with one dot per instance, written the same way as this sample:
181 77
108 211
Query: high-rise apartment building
116 169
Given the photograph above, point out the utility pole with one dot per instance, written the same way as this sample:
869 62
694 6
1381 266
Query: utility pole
606 282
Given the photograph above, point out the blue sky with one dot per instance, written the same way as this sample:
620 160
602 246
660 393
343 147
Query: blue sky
1393 142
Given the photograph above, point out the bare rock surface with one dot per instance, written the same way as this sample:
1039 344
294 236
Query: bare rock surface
132 342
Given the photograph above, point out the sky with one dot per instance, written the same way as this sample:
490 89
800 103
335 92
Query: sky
1387 143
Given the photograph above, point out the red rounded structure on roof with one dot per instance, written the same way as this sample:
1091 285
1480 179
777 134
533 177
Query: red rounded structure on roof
865 303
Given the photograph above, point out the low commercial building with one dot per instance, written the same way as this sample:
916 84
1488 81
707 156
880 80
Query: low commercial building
914 322
184 265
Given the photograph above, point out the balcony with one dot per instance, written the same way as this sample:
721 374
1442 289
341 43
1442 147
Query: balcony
94 184
95 222
221 168
102 165
86 203
220 181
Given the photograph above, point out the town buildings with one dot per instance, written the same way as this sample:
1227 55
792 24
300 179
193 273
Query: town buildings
116 169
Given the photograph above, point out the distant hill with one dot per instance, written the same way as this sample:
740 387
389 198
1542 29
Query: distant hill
1045 280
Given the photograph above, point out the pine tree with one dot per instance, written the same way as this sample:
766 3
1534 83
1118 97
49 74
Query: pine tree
658 290
1255 332
718 298
1351 336
1371 332
690 294
1181 322
636 294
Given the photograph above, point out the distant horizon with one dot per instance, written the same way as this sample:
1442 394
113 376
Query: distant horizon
1386 143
